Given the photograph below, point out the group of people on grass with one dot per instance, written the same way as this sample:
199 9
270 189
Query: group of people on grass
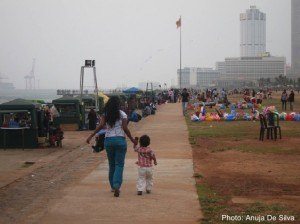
250 96
285 97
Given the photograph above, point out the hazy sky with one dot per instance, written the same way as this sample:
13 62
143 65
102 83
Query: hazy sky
131 40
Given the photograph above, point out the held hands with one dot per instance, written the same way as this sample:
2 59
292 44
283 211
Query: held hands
135 141
89 139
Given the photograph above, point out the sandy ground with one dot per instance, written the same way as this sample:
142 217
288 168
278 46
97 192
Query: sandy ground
251 177
27 190
70 185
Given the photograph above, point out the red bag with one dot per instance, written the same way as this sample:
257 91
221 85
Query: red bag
289 117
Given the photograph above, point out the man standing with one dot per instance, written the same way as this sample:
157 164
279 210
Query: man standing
259 97
185 99
291 100
92 117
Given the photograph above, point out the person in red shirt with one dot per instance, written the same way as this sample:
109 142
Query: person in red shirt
145 170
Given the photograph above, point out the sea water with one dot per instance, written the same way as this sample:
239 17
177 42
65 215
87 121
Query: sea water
39 94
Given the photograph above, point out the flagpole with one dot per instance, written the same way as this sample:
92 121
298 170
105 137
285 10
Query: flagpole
180 57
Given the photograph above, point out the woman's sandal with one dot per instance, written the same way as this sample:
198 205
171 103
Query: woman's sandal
117 193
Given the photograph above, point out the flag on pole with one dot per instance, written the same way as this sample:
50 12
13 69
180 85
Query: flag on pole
178 23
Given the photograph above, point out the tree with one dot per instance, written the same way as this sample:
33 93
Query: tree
282 80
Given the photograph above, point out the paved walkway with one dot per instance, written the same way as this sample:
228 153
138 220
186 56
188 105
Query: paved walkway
174 197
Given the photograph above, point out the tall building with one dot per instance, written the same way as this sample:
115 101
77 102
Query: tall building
296 37
253 32
254 63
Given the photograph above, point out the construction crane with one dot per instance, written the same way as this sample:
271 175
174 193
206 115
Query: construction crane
30 79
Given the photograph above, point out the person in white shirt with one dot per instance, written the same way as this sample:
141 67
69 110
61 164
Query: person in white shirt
115 121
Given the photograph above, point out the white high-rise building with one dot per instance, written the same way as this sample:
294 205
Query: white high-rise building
296 38
253 33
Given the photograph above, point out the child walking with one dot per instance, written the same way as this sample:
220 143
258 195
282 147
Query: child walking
145 171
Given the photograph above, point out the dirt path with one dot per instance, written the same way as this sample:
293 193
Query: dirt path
174 197
26 193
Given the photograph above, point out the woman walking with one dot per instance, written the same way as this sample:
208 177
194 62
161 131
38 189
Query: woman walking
115 121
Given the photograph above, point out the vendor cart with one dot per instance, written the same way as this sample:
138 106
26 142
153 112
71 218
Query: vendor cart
20 124
70 112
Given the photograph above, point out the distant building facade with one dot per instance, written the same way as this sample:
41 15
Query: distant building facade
254 63
192 77
221 67
207 77
253 33
296 37
185 79
247 70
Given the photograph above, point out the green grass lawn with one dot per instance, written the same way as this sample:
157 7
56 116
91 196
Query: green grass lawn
214 206
240 132
240 136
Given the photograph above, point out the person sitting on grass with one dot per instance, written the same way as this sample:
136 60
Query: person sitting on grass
145 171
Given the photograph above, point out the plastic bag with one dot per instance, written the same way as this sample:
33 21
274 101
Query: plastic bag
194 118
297 117
232 107
282 116
230 117
289 117
203 111
250 105
209 118
247 117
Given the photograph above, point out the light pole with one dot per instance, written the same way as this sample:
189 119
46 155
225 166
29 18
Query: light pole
89 64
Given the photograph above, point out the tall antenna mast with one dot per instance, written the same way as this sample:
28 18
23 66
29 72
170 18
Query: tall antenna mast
32 77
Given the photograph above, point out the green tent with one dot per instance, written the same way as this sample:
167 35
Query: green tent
38 101
17 103
70 111
89 102
20 137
